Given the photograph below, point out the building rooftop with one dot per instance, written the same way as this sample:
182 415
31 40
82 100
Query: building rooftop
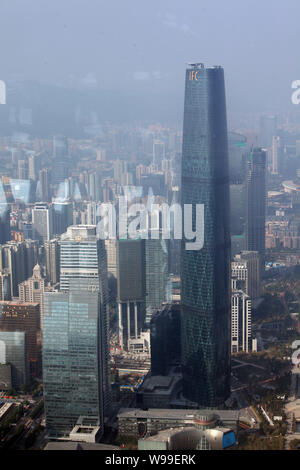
79 446
15 303
190 415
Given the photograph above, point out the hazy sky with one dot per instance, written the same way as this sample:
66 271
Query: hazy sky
137 44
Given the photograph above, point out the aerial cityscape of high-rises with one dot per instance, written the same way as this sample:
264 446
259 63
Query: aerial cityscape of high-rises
149 228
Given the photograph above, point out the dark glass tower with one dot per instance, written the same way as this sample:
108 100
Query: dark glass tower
205 274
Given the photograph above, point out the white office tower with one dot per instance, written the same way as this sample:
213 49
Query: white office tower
240 321
32 290
246 268
83 256
42 220
275 154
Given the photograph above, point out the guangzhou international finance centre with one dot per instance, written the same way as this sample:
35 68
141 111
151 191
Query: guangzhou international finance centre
205 274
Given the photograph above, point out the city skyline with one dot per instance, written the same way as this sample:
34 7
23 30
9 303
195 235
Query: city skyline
149 228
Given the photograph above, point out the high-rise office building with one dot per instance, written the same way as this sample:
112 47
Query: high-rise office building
62 216
267 129
5 291
111 252
237 145
27 230
238 209
4 222
33 166
52 260
24 316
31 256
158 152
240 322
83 257
60 146
13 353
42 219
275 155
237 153
32 290
44 191
205 273
245 267
22 169
256 203
131 296
165 339
13 259
158 289
72 357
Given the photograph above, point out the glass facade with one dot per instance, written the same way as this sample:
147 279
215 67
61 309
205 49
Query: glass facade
165 339
13 352
256 203
72 357
131 283
157 278
83 257
205 274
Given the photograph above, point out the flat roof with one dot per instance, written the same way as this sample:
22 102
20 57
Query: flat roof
14 303
79 446
177 413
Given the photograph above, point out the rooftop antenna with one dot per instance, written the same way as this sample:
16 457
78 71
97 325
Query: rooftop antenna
196 65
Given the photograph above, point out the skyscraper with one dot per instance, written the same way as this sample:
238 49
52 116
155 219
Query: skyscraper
267 129
52 260
33 166
4 223
275 155
256 203
44 191
32 290
42 219
60 146
24 316
62 216
158 152
72 365
157 279
13 259
165 339
13 354
131 295
83 257
5 291
240 321
205 273
246 269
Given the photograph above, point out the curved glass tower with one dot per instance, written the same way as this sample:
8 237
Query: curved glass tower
205 274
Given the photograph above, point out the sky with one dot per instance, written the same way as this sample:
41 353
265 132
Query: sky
129 46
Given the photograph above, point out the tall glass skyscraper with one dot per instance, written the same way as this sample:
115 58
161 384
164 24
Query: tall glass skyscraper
72 357
131 282
256 203
158 288
205 273
83 257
